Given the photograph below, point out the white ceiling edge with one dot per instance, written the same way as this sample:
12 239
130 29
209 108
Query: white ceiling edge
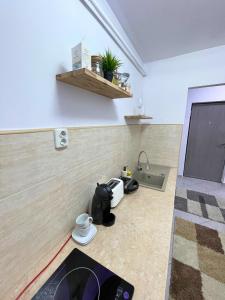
103 20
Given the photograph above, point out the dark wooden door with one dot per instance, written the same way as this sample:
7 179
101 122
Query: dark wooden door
205 153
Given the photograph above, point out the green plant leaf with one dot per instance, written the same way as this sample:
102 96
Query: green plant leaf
109 62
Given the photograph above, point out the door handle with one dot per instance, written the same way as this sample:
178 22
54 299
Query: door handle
221 145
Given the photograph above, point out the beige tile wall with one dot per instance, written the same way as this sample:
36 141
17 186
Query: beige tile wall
162 143
42 190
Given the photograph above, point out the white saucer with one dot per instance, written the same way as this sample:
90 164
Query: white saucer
84 240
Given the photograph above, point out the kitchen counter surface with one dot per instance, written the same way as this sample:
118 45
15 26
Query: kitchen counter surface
137 247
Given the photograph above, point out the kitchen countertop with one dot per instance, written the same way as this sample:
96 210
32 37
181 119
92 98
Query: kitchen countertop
137 247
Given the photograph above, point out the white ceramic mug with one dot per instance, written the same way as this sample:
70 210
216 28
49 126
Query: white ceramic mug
83 223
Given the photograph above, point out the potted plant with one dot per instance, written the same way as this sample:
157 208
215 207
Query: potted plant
110 64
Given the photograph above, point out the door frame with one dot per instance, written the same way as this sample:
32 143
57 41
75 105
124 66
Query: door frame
201 103
197 94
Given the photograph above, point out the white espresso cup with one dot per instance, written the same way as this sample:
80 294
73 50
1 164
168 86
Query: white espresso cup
83 223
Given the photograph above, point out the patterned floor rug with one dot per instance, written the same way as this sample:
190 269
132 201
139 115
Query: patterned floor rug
198 265
203 205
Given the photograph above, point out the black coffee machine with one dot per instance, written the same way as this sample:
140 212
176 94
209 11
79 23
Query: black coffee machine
101 206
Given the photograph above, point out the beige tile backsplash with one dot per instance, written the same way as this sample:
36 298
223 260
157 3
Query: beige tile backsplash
42 190
162 143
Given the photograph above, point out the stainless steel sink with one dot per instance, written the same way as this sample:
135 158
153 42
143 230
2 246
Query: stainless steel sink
154 177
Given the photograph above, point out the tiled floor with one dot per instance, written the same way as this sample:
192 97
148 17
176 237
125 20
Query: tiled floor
203 186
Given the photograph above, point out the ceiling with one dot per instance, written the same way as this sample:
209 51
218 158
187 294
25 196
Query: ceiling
166 28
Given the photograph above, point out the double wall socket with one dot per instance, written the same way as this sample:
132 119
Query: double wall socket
61 138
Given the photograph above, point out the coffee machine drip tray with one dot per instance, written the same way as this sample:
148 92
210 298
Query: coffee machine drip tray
80 277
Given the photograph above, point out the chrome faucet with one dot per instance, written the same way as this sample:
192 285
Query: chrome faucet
139 157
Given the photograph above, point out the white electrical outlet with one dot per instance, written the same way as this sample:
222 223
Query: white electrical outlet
61 138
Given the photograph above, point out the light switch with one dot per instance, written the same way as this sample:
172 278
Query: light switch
61 138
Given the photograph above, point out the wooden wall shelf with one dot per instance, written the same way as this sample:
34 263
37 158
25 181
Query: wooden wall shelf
88 80
137 117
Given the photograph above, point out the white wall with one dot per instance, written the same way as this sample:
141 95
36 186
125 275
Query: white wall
167 83
36 42
197 95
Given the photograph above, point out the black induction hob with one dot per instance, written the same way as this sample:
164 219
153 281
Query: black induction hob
80 277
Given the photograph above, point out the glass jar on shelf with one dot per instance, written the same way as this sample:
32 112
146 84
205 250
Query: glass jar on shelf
96 64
